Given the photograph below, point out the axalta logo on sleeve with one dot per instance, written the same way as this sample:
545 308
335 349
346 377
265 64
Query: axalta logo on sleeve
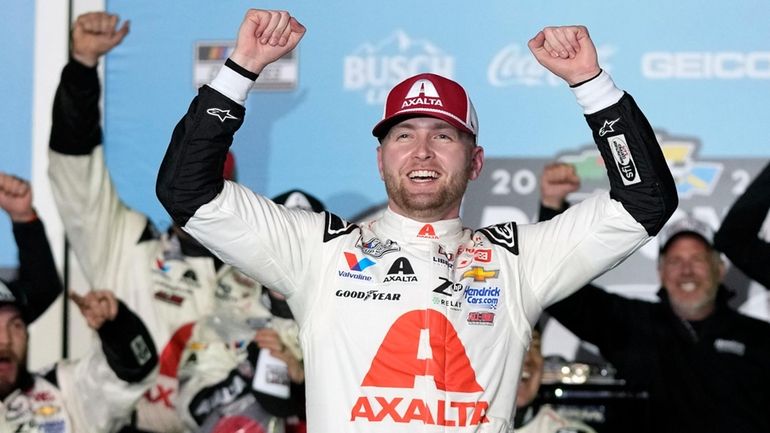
422 343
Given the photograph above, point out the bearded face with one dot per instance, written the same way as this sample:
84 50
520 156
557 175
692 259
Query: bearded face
13 348
426 164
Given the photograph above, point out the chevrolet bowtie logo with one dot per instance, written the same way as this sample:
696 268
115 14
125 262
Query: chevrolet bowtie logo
480 274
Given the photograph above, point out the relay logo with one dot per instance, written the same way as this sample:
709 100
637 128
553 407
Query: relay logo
357 265
401 358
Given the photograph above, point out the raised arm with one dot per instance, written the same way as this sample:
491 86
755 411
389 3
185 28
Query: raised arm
242 228
191 172
98 225
638 174
38 284
600 232
739 235
104 386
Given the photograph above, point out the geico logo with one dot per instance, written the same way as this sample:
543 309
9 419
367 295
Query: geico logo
441 412
361 71
369 294
729 65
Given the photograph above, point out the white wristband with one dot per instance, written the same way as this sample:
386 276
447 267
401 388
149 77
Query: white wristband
597 94
232 84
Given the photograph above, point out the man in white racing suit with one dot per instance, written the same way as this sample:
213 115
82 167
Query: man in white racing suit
412 322
169 279
94 394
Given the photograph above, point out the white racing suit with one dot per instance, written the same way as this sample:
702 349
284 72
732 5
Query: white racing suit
119 249
94 394
224 376
407 326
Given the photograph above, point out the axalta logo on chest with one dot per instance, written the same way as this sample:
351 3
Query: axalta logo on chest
421 343
400 410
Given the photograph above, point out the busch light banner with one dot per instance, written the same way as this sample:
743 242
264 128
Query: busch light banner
309 117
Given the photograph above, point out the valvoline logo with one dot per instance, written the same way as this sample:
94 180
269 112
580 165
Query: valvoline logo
161 265
357 265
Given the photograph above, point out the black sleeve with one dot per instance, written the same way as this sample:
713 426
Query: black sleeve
75 128
638 174
127 345
191 173
601 318
38 284
738 237
545 213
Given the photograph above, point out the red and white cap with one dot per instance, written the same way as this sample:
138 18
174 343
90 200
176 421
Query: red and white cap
428 95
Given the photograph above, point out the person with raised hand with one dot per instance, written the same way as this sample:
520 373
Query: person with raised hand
412 322
167 278
701 362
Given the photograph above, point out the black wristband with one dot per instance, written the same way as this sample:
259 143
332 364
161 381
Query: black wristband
241 70
585 81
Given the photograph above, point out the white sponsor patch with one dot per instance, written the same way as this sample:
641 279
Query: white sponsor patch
624 161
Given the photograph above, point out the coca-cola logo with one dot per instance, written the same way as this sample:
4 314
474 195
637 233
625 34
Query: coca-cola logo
514 65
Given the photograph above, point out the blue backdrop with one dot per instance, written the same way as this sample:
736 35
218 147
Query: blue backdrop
696 69
17 49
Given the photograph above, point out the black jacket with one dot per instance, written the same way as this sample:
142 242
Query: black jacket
738 237
37 285
706 376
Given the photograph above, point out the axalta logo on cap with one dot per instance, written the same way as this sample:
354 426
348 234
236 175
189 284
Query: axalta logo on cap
429 95
422 92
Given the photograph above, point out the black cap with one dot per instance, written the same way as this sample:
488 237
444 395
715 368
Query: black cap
7 297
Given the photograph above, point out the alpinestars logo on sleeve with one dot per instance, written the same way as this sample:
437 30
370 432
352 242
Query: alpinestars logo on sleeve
221 114
607 127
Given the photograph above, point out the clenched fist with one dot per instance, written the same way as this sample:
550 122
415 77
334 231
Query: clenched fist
557 181
264 37
566 51
16 198
95 34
